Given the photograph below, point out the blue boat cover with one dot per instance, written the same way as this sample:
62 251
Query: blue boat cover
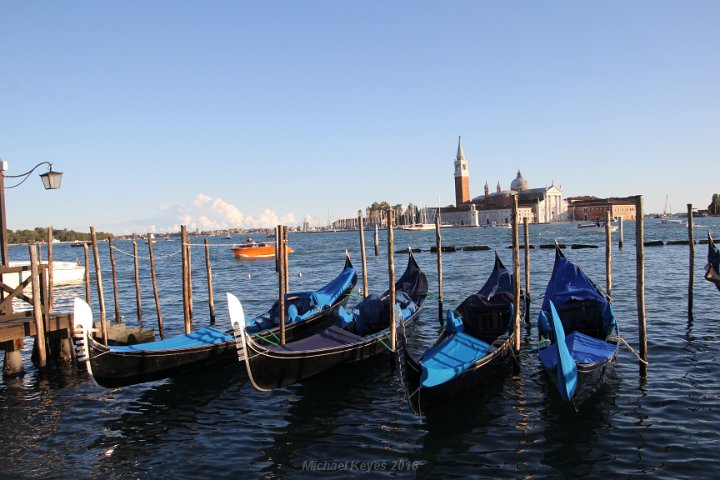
583 349
499 281
301 305
568 284
198 338
450 358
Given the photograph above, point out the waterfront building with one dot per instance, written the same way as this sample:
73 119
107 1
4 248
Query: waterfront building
583 209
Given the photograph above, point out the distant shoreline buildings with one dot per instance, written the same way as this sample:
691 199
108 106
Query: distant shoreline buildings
538 205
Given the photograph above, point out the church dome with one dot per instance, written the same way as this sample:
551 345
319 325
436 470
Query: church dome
519 184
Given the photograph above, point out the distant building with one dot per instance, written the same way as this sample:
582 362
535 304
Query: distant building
583 209
538 205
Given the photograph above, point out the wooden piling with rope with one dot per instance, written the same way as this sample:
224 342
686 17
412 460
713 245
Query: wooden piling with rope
98 277
516 272
185 285
118 318
377 241
137 281
391 274
608 253
438 243
87 273
153 275
526 232
51 276
208 270
40 343
281 281
640 282
362 253
691 266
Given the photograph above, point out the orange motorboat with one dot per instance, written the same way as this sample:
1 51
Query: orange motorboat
256 250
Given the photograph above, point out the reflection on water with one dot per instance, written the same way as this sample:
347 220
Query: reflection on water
213 424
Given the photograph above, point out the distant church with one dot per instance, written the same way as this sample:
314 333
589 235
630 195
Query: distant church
538 205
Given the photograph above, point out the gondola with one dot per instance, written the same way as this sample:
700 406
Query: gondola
712 269
578 321
361 333
476 344
117 366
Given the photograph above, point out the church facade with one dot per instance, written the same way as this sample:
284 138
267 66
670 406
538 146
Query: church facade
538 205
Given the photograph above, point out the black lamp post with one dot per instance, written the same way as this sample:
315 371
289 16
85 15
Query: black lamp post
51 180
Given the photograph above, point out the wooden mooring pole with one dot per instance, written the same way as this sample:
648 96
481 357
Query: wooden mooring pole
87 273
98 277
51 291
281 282
40 343
118 317
691 242
438 243
137 281
185 276
516 272
621 232
208 269
286 258
391 274
608 253
153 275
640 282
362 253
526 228
377 241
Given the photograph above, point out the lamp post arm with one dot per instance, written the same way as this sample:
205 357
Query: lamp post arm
26 175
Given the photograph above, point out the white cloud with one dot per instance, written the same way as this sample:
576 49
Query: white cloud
209 213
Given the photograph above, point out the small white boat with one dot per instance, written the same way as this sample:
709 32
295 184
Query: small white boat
418 226
673 221
64 273
595 227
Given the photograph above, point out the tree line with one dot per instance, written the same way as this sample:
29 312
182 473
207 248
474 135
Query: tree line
39 234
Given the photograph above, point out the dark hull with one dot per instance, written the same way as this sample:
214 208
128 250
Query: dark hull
110 368
421 399
119 369
590 377
279 369
270 368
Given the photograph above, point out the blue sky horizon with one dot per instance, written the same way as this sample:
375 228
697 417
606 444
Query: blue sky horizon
231 114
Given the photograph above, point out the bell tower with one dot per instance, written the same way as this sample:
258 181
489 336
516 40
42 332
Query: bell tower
462 177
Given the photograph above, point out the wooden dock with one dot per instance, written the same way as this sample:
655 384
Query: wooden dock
52 332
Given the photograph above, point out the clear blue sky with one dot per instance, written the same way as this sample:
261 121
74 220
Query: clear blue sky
229 113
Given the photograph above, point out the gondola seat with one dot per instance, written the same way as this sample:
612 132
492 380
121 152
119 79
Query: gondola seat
450 358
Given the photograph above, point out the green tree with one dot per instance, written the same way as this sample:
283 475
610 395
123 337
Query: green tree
714 206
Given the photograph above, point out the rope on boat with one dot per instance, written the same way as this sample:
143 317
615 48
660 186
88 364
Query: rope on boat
140 257
620 339
257 336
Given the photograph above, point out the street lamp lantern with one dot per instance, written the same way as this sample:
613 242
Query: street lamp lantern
51 180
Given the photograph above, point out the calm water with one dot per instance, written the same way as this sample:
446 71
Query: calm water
214 425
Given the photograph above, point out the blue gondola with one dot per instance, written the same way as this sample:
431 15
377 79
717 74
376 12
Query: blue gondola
476 342
712 269
117 366
362 333
578 319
